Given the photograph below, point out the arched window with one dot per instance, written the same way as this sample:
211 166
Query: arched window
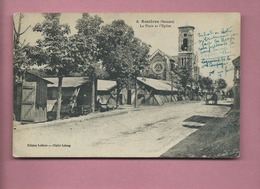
187 61
184 46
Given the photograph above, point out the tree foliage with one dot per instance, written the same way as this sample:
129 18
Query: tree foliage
221 84
85 48
176 79
21 60
53 50
185 77
206 83
85 44
123 55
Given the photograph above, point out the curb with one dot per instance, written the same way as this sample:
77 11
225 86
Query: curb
73 119
18 126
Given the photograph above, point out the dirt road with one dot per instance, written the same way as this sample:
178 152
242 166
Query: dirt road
145 132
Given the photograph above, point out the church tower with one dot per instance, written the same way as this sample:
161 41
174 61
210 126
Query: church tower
186 46
186 56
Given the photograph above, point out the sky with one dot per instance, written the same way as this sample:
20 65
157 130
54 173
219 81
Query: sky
166 38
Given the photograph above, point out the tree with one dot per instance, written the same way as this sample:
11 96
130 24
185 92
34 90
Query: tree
206 83
123 55
140 54
186 79
86 51
221 84
21 60
176 80
53 50
230 93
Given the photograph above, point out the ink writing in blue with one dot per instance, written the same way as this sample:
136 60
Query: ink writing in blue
216 50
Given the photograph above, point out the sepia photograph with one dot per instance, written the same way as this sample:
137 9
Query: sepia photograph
126 85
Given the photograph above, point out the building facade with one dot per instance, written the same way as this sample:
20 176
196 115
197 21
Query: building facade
162 65
30 99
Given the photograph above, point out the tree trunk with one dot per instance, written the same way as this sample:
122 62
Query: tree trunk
191 91
135 93
18 32
93 95
117 94
171 88
59 97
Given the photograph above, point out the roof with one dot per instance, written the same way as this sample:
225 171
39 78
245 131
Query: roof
102 85
160 85
163 54
236 62
36 76
105 85
68 81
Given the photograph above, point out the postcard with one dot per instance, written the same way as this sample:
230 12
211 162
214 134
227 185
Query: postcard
126 85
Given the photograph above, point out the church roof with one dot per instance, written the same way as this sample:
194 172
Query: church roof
160 85
163 54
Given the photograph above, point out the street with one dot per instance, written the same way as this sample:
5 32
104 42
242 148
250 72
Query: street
148 131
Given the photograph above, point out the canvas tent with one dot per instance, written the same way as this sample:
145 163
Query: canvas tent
106 92
69 86
77 91
155 92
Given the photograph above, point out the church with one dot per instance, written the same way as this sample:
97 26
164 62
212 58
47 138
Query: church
161 65
157 86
